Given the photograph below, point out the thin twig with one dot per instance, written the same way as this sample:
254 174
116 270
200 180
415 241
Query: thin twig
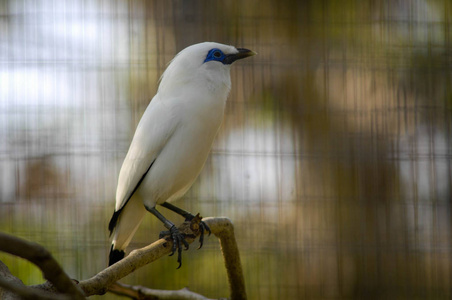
141 292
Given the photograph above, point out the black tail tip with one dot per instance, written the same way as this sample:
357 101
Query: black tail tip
115 256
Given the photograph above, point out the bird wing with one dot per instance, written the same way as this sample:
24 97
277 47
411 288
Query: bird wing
156 126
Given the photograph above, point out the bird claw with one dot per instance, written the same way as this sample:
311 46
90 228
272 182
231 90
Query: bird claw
202 228
178 240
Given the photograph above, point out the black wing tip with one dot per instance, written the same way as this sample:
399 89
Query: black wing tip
115 256
114 220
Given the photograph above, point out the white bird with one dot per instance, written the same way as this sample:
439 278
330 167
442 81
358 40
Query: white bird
172 141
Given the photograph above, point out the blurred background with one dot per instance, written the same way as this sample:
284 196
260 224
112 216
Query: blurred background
333 161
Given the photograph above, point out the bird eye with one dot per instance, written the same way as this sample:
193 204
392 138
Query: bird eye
214 55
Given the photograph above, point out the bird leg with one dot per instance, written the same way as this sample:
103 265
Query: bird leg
174 233
188 217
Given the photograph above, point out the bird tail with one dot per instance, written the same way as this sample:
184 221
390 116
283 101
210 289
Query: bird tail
115 255
124 227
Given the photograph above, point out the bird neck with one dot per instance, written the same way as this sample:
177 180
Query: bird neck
177 83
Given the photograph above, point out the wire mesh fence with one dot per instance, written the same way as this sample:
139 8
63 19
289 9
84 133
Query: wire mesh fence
333 161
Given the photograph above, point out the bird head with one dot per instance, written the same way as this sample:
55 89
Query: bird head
211 54
225 55
203 62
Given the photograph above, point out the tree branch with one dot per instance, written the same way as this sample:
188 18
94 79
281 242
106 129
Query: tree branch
224 230
42 258
105 280
11 287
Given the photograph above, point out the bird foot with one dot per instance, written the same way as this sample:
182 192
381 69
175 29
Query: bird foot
178 239
196 224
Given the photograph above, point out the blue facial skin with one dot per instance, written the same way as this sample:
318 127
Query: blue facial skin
215 54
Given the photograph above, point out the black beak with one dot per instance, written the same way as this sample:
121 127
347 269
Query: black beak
243 53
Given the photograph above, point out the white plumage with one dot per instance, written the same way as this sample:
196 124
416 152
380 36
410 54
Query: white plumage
174 137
